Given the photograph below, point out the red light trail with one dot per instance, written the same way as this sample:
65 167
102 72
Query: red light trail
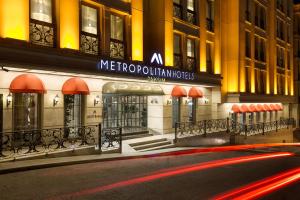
262 187
178 171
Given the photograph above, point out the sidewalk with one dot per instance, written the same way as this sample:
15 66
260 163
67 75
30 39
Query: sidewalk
16 166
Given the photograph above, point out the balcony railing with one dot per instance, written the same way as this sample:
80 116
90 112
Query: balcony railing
177 60
37 142
205 127
117 49
177 11
191 63
42 33
89 43
191 17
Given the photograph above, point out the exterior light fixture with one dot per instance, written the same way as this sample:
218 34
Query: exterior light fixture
154 101
8 99
206 100
169 101
55 100
96 100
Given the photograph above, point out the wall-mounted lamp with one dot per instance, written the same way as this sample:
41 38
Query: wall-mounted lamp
96 100
154 101
206 100
8 99
55 100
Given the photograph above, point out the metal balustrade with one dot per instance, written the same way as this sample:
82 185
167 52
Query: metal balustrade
38 142
204 127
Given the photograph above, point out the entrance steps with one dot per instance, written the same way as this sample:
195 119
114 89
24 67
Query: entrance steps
152 144
135 135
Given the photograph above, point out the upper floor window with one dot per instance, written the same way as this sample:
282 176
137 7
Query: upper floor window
177 9
177 51
89 40
117 45
210 13
41 10
280 29
280 57
248 44
42 28
191 62
209 57
279 5
191 15
247 11
260 16
260 49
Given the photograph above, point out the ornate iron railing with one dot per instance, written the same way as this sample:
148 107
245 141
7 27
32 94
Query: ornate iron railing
89 43
177 11
191 17
117 49
204 127
42 33
54 140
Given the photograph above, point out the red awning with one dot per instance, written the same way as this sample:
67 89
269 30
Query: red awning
244 108
27 83
75 86
273 108
253 108
267 107
278 107
236 108
260 108
195 92
178 91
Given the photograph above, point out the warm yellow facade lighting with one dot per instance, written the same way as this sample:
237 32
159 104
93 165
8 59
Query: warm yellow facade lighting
137 30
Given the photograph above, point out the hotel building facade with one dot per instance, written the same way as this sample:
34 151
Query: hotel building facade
144 64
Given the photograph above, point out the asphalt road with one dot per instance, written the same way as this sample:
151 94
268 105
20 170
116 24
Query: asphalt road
129 179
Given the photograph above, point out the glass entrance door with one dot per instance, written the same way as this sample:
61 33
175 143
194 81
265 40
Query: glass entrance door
176 102
124 111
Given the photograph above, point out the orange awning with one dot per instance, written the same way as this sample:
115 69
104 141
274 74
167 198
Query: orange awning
252 108
273 108
236 109
195 92
178 91
244 108
260 108
267 107
278 107
75 86
27 83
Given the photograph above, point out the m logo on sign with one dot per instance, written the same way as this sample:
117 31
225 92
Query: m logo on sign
156 58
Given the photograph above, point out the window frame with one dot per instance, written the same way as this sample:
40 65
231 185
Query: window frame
124 42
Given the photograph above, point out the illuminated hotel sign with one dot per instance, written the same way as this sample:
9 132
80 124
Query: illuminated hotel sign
143 70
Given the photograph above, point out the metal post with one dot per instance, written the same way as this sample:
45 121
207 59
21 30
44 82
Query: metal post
227 125
99 138
205 121
263 128
276 124
176 131
245 128
120 139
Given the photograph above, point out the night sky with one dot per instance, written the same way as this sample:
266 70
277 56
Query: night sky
296 1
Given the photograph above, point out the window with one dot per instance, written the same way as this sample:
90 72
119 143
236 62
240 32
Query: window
177 51
280 84
248 78
41 23
260 49
288 34
280 29
210 13
117 46
26 111
279 5
280 57
89 42
248 45
288 60
73 110
209 57
191 63
41 10
191 15
260 81
260 16
247 10
177 9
